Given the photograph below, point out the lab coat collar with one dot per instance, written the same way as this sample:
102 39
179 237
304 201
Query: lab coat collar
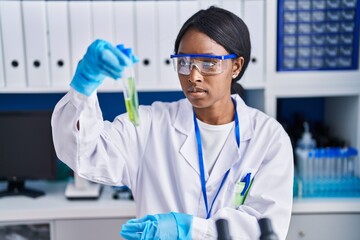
184 124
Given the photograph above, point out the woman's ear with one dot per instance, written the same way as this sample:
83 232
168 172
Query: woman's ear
238 63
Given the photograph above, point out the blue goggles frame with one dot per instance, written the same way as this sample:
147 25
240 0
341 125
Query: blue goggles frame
222 57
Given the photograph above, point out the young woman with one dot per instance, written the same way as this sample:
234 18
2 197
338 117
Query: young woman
192 161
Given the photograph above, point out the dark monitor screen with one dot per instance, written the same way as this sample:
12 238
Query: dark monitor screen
26 150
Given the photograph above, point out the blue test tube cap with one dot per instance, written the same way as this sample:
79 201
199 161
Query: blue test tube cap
353 151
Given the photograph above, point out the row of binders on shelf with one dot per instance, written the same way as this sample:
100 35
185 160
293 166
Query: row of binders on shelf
329 172
41 42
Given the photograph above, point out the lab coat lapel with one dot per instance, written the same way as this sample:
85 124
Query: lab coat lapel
187 150
229 155
184 124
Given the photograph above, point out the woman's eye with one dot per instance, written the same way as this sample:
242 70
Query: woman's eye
182 62
208 64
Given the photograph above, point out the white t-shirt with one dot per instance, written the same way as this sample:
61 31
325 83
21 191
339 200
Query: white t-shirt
213 138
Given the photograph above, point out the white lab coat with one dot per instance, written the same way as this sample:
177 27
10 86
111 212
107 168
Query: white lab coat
159 162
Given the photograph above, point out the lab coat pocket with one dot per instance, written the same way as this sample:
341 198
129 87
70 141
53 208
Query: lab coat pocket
239 189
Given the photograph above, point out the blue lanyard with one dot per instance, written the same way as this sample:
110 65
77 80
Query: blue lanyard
201 161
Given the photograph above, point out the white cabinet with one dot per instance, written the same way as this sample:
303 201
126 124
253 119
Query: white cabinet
326 218
64 229
324 226
26 230
89 229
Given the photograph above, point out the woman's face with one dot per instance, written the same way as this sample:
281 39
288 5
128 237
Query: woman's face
206 91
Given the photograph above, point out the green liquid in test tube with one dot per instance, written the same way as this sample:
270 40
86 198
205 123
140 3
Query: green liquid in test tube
131 95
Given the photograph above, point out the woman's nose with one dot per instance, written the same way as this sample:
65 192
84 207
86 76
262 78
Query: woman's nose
195 74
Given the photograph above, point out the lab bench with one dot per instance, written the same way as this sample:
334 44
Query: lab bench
313 218
65 219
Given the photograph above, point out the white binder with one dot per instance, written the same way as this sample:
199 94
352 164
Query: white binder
204 4
80 30
147 44
168 18
124 33
103 20
36 44
254 18
103 28
234 6
186 10
59 43
125 23
13 43
2 73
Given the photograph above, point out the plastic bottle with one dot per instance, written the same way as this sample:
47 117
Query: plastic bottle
303 147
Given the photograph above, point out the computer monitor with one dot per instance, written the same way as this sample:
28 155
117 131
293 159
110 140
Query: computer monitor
26 151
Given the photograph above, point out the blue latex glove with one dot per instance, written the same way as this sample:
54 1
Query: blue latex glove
100 61
160 226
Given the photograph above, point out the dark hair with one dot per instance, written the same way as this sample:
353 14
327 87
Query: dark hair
226 29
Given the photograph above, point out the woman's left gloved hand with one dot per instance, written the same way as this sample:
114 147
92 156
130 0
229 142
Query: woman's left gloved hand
160 226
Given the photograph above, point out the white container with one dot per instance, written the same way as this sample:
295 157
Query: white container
304 145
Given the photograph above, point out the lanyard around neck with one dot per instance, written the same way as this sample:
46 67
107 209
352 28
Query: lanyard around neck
201 161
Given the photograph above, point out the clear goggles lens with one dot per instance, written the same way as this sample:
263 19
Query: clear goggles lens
205 64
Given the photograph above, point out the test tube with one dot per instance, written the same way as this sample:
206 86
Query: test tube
352 162
343 171
308 187
129 89
131 95
341 162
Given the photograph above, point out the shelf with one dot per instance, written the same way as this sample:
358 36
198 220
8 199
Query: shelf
326 205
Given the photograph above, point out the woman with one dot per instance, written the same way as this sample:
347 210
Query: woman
192 161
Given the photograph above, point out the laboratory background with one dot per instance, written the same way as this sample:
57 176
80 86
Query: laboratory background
304 71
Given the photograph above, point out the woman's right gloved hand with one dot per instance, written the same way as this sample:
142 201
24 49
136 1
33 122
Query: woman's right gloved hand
100 61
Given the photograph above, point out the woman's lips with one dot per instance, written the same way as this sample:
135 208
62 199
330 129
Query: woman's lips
196 90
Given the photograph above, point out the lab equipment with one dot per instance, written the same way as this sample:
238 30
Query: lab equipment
206 64
222 227
303 147
122 192
131 97
26 151
100 61
129 89
330 172
266 229
160 226
325 22
81 188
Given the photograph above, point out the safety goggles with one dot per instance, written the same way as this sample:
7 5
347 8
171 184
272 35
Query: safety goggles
206 64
